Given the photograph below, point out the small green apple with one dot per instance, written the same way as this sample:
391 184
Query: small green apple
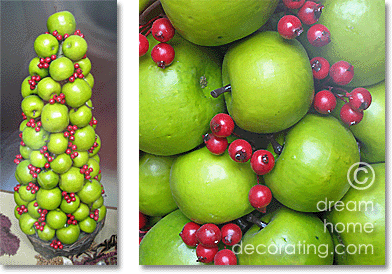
76 93
33 210
54 117
57 144
97 203
84 138
47 234
84 65
97 148
46 45
32 106
101 213
63 22
82 212
47 87
37 159
61 163
72 180
35 70
90 80
18 200
25 87
23 125
81 159
23 172
26 224
74 47
95 166
49 199
81 116
33 139
71 206
48 179
96 158
90 192
56 219
88 225
25 151
60 69
69 234
25 194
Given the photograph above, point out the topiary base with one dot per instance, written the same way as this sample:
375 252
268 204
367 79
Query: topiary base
83 243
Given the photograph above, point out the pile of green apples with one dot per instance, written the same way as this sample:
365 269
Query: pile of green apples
59 197
318 180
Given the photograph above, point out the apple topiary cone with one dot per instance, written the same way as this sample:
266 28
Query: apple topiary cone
59 197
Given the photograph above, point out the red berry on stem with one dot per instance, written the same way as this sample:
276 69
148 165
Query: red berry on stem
318 35
240 151
293 4
231 234
225 257
142 220
209 235
310 12
188 234
359 98
324 102
216 145
163 54
222 125
262 162
162 30
341 72
320 67
143 45
350 116
260 197
206 254
289 27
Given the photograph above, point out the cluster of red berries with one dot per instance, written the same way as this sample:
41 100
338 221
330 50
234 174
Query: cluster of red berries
40 225
16 188
71 219
24 116
34 171
22 209
56 244
57 98
33 188
43 213
94 215
163 31
44 151
96 177
309 12
71 149
36 125
86 171
68 197
18 158
70 132
206 239
78 32
33 81
44 62
77 74
91 149
93 122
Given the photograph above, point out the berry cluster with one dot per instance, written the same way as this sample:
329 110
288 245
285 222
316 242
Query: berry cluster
45 62
33 188
206 239
31 123
71 219
33 171
86 171
68 197
57 98
43 213
34 81
77 74
94 215
21 209
56 244
163 31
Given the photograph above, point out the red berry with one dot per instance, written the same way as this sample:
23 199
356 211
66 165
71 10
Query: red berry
209 235
341 72
142 219
53 57
66 35
46 65
359 98
162 30
240 150
318 35
231 234
215 145
350 116
143 45
47 60
324 102
222 125
59 37
262 162
71 79
293 4
225 257
320 67
188 234
289 27
55 33
260 197
162 54
310 12
47 165
206 254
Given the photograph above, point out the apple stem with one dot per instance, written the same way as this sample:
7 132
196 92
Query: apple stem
216 92
253 219
277 147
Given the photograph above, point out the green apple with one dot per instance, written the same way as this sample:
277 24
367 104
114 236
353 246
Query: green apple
49 199
211 189
71 206
55 117
25 87
32 106
97 148
81 159
88 225
89 79
25 151
69 234
175 107
46 45
74 47
18 200
350 29
35 70
163 240
255 68
72 180
96 158
56 219
63 22
23 172
289 238
91 163
218 22
76 93
81 116
37 159
97 203
81 213
61 163
26 224
61 69
357 223
48 87
313 165
47 234
57 144
48 179
33 210
101 213
155 197
84 65
84 138
25 194
33 139
90 192
23 125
